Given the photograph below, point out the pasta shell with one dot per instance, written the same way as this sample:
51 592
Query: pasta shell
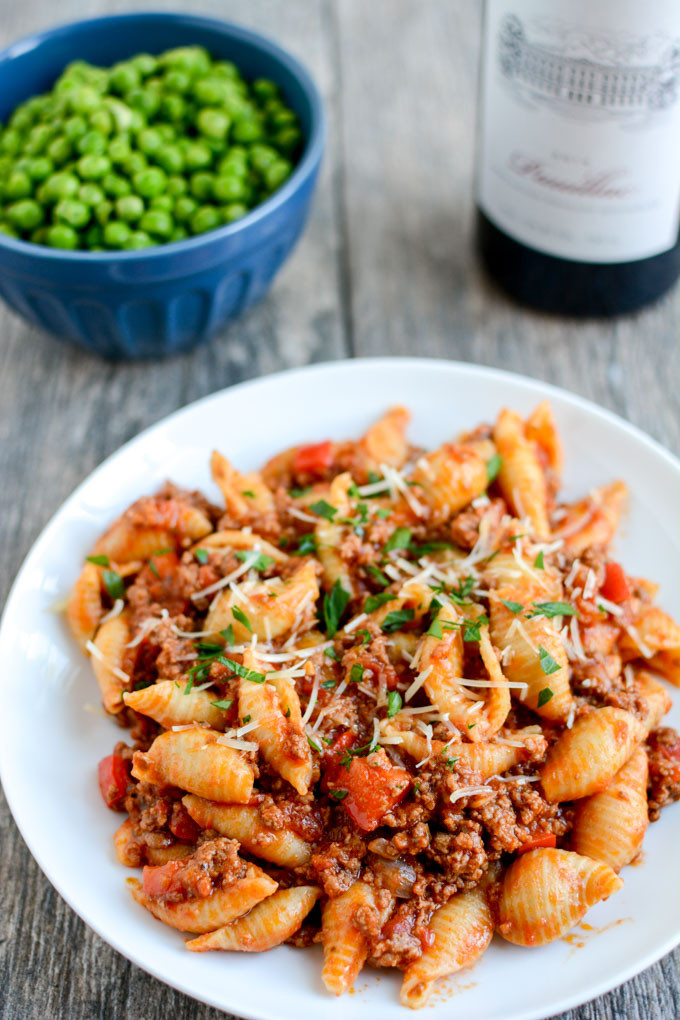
610 826
329 536
281 846
170 706
462 929
208 913
243 494
656 632
587 757
593 520
449 478
231 539
84 609
655 697
668 664
195 761
521 478
540 428
385 441
268 924
107 661
345 947
546 892
486 758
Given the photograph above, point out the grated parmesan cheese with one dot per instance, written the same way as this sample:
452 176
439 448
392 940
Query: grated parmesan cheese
236 744
228 579
312 700
417 683
634 634
302 516
354 623
470 791
117 609
95 653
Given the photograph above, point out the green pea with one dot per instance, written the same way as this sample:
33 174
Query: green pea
277 173
262 156
176 185
8 231
248 129
207 217
91 143
213 123
193 59
129 208
150 181
38 236
91 194
25 214
94 237
116 234
185 207
10 141
144 100
18 185
170 157
149 141
122 117
119 148
176 80
229 188
39 139
197 156
22 119
137 240
264 88
284 118
209 92
226 69
115 186
173 108
145 64
164 202
288 140
135 162
125 77
102 212
73 212
234 211
60 185
102 121
60 150
168 132
201 185
93 167
180 233
157 222
84 99
74 127
40 168
61 236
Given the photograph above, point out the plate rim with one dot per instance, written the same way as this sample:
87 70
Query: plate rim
350 365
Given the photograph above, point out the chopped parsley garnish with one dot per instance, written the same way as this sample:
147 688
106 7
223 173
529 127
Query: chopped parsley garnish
249 493
313 744
228 634
395 619
538 562
357 752
377 575
429 547
472 628
356 673
208 650
514 607
299 493
544 696
223 703
383 513
471 725
99 561
338 794
284 542
306 545
201 555
190 683
493 466
287 713
393 703
548 664
242 671
416 786
259 562
142 684
450 762
332 654
551 609
113 583
435 629
245 719
239 615
460 594
365 636
376 601
399 539
152 566
334 605
323 509
328 685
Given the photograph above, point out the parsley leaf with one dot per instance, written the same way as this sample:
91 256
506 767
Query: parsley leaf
460 594
239 615
323 509
399 539
544 696
313 744
201 555
538 562
228 634
551 609
99 561
435 629
332 654
242 671
377 575
338 794
356 673
249 493
429 547
299 493
383 513
334 605
393 703
223 703
259 562
113 583
514 607
306 545
375 601
328 685
365 636
493 466
395 619
472 628
548 664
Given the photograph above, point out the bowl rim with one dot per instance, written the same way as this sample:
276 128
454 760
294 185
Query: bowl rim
310 159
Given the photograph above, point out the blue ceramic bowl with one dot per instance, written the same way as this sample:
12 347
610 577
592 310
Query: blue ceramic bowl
164 300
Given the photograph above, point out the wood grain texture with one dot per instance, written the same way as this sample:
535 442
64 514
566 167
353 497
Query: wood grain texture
386 267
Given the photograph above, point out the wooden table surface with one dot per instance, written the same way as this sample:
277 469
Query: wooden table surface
386 267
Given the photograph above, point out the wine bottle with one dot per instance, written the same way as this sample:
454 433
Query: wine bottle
578 152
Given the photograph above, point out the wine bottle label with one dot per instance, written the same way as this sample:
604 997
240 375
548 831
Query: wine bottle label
579 139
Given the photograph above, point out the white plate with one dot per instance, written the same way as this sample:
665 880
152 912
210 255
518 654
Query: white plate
49 746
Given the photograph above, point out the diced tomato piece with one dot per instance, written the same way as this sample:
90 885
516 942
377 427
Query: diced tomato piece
373 787
313 460
113 781
547 839
615 587
182 824
160 880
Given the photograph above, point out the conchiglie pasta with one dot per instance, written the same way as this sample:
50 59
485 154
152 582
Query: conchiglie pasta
655 631
268 924
385 441
170 705
540 428
593 520
610 826
329 535
207 913
84 609
272 607
546 892
486 758
280 846
155 524
521 478
108 656
241 540
448 479
195 761
587 757
656 700
243 494
345 947
462 930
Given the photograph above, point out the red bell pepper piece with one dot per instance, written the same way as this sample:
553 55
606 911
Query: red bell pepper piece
113 781
615 587
159 880
313 460
367 787
546 839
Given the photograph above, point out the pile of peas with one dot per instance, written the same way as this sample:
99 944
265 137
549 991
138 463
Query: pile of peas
151 150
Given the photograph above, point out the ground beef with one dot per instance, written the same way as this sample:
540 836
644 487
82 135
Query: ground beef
600 681
461 858
464 527
338 863
517 812
663 752
215 864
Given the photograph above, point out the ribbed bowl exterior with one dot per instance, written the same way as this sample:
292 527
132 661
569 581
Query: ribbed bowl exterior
169 299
